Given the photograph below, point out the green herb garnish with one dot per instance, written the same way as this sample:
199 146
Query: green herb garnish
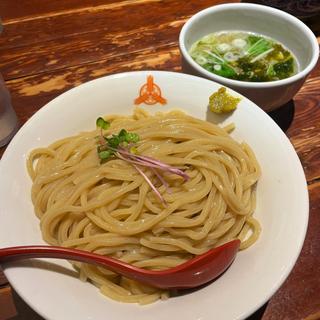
103 124
104 155
123 146
281 69
259 47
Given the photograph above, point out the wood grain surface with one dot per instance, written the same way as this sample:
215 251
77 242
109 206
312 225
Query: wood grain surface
48 47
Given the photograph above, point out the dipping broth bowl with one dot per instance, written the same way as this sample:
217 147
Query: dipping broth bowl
259 19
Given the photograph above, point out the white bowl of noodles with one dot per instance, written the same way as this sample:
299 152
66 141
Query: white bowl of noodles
52 287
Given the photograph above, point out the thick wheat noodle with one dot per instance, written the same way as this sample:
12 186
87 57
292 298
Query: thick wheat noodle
110 209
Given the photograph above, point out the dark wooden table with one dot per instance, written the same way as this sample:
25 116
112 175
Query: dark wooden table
48 47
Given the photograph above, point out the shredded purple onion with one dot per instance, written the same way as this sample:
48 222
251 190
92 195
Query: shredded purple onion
151 185
153 164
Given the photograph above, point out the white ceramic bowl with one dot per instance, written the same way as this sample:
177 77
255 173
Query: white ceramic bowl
264 20
52 288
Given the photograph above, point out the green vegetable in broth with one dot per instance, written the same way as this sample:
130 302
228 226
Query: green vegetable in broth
244 56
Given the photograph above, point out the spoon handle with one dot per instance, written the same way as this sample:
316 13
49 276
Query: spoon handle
29 252
149 277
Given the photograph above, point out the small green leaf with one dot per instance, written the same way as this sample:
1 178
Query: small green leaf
262 45
103 155
122 135
103 124
225 71
252 39
114 141
284 69
132 137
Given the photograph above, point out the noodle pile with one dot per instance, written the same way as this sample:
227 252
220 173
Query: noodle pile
111 210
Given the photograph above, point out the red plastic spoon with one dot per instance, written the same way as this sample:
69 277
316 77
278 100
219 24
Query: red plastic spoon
193 273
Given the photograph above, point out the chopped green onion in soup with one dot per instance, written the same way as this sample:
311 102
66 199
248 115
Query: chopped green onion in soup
244 56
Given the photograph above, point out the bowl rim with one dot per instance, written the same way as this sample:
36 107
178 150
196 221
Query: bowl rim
253 7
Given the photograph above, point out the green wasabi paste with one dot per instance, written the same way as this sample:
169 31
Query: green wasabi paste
222 102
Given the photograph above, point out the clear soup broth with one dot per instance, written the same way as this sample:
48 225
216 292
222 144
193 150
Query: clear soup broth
244 56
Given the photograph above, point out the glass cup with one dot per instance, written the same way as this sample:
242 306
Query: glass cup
8 117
